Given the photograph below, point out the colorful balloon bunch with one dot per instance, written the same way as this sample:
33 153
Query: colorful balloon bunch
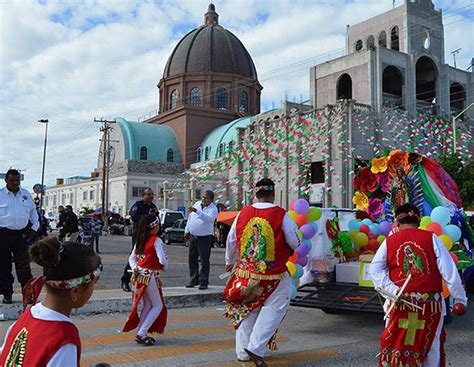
368 235
438 223
305 218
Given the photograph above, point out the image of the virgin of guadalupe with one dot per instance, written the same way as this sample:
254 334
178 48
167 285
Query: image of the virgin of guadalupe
256 247
412 264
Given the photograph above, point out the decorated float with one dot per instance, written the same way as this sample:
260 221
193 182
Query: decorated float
335 276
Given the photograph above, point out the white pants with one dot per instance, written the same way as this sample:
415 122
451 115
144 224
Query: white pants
258 327
152 306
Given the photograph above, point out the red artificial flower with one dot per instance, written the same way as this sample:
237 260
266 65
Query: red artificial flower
367 181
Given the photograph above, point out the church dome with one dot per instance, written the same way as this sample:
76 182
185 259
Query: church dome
210 49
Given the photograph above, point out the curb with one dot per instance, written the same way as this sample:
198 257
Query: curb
112 301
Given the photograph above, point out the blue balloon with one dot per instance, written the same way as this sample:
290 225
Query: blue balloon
315 226
299 271
374 228
367 221
354 224
308 244
293 292
441 215
453 231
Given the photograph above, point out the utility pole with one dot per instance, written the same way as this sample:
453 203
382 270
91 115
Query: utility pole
454 53
105 141
43 121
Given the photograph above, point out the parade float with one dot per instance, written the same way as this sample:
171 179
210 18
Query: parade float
335 276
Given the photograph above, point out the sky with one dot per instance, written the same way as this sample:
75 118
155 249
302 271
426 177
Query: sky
72 61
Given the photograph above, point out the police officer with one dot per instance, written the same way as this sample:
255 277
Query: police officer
142 207
16 210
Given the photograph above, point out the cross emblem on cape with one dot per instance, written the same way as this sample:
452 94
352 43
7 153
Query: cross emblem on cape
412 324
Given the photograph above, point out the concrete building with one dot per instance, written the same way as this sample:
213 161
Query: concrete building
395 59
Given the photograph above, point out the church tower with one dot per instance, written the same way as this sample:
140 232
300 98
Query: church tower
209 80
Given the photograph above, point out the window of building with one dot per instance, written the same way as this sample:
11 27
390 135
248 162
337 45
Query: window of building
207 153
173 99
221 149
221 98
63 199
196 96
359 45
395 39
243 101
344 87
54 200
198 154
392 87
169 155
71 198
143 153
137 191
46 199
84 196
426 77
457 95
91 195
426 39
383 39
370 43
198 194
317 172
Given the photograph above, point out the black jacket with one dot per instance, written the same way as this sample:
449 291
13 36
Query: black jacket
139 209
70 223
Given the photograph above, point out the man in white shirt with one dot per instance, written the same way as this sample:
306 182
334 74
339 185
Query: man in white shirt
198 232
17 210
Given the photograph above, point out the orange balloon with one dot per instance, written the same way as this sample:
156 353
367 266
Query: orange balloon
293 257
301 220
445 292
435 228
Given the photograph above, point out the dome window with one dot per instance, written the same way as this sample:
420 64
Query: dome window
143 153
395 39
383 39
221 98
221 149
207 153
359 45
243 102
370 43
174 99
196 96
344 87
198 155
169 155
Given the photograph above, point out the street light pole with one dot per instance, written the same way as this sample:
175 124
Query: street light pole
43 121
165 194
454 125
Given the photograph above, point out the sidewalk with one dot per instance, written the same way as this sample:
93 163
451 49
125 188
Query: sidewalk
116 300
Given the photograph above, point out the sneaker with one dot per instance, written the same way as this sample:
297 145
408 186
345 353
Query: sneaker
126 287
202 287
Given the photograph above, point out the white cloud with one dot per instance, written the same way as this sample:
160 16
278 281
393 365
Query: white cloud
73 61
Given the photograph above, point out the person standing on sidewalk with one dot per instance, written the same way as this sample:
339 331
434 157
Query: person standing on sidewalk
199 232
258 293
16 210
71 225
96 229
44 335
142 207
147 259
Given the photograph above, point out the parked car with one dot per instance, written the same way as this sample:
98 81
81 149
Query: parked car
169 217
175 233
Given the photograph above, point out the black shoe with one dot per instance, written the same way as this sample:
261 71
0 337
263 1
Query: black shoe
7 300
190 285
126 287
202 287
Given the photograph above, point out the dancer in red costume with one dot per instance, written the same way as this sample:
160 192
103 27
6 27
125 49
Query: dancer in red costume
258 294
415 337
44 335
147 260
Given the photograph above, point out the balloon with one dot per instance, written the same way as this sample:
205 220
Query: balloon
373 245
308 231
300 235
353 233
374 228
291 268
448 242
441 215
454 232
455 258
372 236
301 220
302 261
435 228
292 206
302 251
354 224
308 244
384 228
445 292
361 239
293 257
299 271
459 309
314 214
380 239
425 221
367 221
294 291
293 214
314 225
301 206
364 229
